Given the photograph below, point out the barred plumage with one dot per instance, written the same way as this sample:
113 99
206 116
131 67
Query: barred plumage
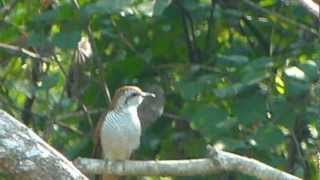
120 134
121 130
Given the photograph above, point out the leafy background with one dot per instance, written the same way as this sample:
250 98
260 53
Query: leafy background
242 75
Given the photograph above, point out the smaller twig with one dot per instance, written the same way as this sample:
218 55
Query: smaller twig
207 67
125 40
186 31
60 66
259 36
281 17
243 32
49 128
76 3
69 128
210 26
85 109
102 81
16 49
191 24
173 116
297 144
107 92
318 157
79 113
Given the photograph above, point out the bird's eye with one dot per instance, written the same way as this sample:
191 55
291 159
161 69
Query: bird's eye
134 95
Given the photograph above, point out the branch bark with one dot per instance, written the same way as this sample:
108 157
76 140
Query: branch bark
219 161
24 155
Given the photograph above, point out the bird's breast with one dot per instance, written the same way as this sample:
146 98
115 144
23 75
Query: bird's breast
120 134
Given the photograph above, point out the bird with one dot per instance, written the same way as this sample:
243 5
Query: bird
119 130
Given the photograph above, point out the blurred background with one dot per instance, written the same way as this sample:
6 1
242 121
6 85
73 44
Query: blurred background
240 75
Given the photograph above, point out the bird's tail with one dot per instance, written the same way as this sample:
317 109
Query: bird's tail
110 177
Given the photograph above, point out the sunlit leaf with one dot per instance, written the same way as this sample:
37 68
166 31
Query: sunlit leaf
265 3
295 73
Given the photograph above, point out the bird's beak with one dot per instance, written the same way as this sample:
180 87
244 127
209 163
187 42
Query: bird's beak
144 94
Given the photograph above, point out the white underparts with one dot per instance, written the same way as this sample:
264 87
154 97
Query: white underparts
120 133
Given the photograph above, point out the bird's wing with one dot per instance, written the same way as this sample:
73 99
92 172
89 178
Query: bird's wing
97 150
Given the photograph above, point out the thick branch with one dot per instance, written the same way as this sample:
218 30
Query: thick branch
24 155
220 161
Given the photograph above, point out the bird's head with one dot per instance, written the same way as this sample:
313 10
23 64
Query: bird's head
128 97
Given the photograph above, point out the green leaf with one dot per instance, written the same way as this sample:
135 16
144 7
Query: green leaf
258 64
250 108
269 137
251 74
230 90
296 81
296 88
207 119
67 39
47 17
21 87
123 70
310 69
50 81
160 6
193 147
233 59
266 3
81 147
254 77
283 112
232 143
189 90
37 39
108 6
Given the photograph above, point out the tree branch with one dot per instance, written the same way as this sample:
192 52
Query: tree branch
281 17
24 155
219 161
16 49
